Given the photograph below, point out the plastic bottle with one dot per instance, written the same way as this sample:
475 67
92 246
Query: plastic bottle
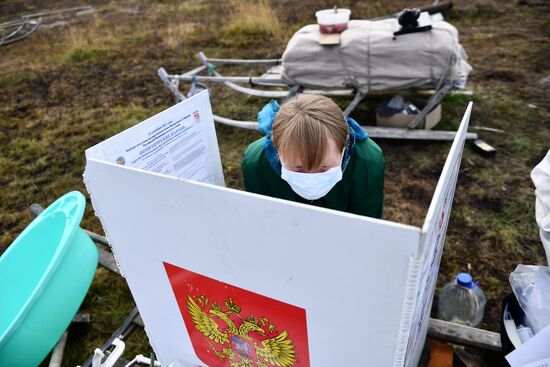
461 301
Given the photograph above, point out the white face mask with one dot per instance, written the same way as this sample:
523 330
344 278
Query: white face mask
312 186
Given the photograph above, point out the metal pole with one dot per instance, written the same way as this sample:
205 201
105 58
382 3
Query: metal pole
234 79
432 103
253 92
249 125
244 61
359 96
373 131
293 91
172 84
52 12
57 354
122 333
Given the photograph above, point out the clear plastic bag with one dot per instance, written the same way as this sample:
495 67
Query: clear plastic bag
531 285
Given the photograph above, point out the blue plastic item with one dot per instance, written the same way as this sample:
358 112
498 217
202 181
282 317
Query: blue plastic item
45 275
465 280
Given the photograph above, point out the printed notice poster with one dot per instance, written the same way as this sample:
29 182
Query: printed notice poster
179 142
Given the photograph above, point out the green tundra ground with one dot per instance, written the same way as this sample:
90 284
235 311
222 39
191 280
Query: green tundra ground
66 88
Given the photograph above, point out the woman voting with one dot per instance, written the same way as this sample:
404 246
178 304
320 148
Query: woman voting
312 154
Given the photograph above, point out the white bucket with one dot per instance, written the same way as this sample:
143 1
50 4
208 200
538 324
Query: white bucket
331 21
330 17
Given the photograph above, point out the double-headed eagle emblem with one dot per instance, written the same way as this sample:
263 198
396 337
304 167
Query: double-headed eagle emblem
233 343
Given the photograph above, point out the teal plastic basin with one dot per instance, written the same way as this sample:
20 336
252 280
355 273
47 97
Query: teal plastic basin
44 275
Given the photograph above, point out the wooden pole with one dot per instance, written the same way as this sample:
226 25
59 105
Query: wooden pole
464 335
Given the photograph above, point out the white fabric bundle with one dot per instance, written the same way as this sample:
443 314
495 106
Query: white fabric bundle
541 178
370 58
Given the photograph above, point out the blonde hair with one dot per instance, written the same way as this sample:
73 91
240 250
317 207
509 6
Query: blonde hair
303 127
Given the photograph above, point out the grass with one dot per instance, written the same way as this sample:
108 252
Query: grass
191 8
98 42
252 20
16 78
66 89
78 54
175 32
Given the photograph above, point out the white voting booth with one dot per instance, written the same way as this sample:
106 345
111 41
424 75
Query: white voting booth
223 277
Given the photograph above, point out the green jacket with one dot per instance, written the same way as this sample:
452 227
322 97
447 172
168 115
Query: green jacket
361 190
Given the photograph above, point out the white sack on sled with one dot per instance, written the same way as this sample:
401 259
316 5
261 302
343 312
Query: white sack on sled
370 58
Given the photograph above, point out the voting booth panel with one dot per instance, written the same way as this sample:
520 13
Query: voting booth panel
223 277
333 266
431 245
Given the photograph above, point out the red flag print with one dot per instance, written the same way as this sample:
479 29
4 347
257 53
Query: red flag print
232 327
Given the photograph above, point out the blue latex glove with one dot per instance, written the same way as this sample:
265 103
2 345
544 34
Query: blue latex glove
265 123
266 117
360 134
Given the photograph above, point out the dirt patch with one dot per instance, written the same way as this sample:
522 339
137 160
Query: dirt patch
506 75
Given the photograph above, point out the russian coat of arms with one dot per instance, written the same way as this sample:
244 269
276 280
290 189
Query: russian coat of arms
232 327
